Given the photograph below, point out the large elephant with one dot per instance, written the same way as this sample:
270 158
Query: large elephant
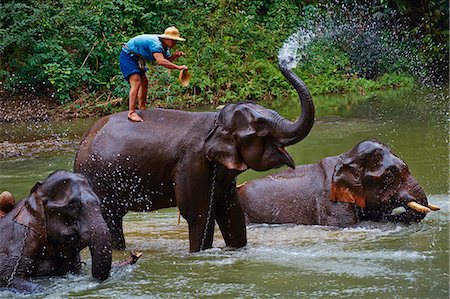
45 232
366 183
189 160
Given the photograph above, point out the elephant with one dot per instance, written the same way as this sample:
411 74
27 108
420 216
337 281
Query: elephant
367 183
44 233
189 160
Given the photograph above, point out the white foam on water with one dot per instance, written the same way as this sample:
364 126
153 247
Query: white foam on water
335 259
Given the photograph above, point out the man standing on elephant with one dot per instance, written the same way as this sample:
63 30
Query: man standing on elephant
134 54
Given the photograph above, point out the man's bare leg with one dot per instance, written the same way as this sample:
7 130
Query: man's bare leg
142 92
135 84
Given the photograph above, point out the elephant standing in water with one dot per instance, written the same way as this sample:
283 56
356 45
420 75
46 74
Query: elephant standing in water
45 232
189 160
366 183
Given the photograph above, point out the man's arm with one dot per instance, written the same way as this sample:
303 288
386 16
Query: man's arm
175 55
159 57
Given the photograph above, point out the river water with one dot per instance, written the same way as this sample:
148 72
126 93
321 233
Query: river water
371 260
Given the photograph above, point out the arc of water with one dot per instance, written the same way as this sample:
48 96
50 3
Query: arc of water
294 47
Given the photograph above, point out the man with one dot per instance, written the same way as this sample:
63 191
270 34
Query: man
7 203
132 60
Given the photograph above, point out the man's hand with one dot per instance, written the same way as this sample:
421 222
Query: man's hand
178 54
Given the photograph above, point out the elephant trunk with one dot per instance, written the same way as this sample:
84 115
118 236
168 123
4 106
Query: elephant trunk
99 242
414 201
416 191
415 197
293 132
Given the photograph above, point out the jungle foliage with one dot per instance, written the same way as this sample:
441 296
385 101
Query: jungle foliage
72 46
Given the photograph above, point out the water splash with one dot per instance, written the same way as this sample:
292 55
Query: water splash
294 48
376 43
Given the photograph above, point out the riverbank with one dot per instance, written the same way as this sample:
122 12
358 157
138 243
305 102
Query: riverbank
26 129
29 106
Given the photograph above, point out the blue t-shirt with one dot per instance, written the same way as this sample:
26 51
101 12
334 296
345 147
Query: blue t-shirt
146 45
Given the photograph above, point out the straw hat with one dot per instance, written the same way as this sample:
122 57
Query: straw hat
172 33
184 78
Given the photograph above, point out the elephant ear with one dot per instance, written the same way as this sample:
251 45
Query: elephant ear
35 187
32 214
346 185
220 147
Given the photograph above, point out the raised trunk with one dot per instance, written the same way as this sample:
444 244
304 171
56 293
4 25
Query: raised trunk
293 132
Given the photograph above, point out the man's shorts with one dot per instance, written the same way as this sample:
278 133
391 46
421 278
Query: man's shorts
129 65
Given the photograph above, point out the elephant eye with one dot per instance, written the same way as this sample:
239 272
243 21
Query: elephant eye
74 205
375 161
390 174
262 129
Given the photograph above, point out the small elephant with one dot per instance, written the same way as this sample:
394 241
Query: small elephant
7 202
366 183
45 232
189 160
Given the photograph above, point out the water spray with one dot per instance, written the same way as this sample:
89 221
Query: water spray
294 48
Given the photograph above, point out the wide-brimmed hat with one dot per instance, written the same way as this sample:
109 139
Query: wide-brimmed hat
172 33
184 78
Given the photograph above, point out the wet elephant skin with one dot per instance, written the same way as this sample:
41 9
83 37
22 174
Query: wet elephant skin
366 183
45 232
189 160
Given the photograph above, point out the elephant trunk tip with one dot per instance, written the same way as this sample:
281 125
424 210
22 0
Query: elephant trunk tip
284 64
101 252
101 268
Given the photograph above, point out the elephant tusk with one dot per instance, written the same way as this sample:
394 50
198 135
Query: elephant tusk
241 185
433 207
418 207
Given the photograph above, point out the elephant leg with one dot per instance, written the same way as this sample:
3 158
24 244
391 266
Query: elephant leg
199 239
231 220
114 221
200 236
193 204
116 230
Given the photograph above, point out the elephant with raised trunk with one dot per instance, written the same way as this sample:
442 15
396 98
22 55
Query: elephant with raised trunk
366 183
189 160
45 232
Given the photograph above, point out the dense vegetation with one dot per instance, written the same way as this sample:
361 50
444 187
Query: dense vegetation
71 47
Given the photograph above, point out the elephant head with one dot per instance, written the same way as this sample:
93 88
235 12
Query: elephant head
64 213
247 135
378 182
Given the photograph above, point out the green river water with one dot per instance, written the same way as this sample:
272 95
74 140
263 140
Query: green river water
372 260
